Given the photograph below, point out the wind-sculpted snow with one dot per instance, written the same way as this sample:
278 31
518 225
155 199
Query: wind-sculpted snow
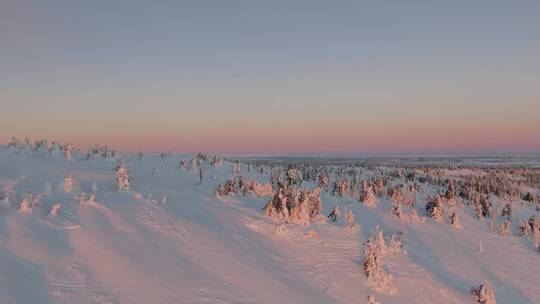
112 228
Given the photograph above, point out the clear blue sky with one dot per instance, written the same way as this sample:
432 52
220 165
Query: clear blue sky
346 77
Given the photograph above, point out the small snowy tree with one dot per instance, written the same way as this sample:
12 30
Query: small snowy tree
368 198
68 152
434 208
507 211
122 177
484 294
371 264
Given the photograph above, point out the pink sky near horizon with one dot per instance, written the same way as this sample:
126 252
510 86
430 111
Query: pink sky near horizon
306 140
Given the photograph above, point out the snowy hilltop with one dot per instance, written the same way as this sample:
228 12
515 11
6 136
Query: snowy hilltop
109 227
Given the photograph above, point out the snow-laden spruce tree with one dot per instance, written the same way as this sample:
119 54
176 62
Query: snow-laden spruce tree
368 197
68 151
435 209
122 177
487 207
324 180
376 276
483 294
349 219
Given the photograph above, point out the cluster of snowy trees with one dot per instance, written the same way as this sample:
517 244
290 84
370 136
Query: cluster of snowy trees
291 204
238 185
41 146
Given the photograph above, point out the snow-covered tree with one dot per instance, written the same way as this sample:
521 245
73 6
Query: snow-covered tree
68 152
122 177
377 277
435 209
41 145
483 294
507 211
368 197
324 180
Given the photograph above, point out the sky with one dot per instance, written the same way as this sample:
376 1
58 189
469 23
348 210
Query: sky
274 77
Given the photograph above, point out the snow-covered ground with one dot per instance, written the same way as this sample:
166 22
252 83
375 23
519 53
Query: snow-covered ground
170 239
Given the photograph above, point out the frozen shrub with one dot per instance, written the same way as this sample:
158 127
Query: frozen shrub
483 294
122 177
334 215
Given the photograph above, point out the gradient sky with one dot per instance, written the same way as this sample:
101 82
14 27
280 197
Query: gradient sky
274 77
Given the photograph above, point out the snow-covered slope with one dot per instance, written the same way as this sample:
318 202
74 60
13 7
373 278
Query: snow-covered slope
171 240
